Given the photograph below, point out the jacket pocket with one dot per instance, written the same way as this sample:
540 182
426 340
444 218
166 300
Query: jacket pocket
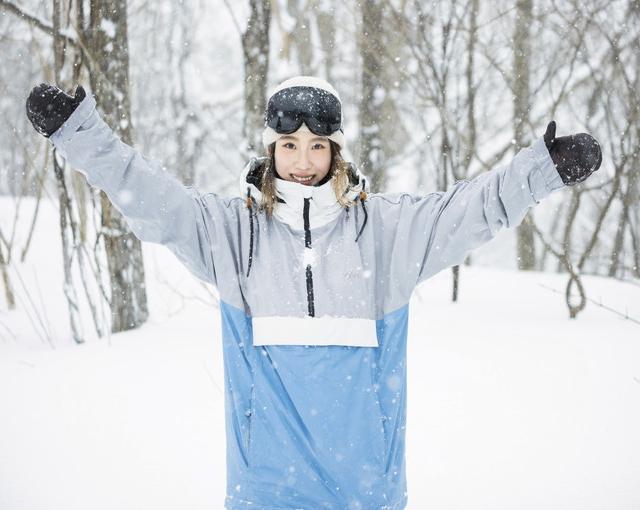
382 423
383 432
249 415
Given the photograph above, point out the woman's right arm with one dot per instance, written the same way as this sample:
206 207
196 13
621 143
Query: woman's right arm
157 207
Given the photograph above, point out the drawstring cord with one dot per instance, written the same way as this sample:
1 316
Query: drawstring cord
249 201
250 208
363 197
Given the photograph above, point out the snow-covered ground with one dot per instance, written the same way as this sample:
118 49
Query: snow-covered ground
511 404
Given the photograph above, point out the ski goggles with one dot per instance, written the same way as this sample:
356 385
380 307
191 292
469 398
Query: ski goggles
320 110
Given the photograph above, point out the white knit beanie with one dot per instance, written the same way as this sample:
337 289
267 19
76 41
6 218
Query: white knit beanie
269 135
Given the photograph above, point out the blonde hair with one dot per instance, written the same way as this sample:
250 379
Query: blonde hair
339 172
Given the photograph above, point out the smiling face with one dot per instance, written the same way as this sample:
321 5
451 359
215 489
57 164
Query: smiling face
303 157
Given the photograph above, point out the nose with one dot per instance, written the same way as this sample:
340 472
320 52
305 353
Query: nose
303 162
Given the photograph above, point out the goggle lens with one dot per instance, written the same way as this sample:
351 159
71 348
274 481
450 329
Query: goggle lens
318 109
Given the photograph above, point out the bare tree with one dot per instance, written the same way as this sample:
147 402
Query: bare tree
325 20
630 195
101 43
185 118
374 92
445 91
4 262
300 34
255 47
381 128
107 40
67 222
526 255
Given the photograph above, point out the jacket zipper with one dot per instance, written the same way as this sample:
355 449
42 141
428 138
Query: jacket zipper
307 245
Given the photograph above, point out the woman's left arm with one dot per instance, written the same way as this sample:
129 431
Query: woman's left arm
472 212
438 230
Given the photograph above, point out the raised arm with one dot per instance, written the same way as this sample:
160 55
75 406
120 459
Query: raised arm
436 231
157 207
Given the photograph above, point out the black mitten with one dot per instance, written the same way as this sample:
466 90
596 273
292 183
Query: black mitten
48 107
576 156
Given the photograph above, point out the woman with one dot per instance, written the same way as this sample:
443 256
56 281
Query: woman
315 277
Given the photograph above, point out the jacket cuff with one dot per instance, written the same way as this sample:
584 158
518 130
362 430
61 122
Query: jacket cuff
65 132
548 175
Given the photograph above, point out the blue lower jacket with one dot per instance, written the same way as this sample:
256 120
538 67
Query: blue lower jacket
315 426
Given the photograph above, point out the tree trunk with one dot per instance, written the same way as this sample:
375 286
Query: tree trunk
373 92
618 243
64 200
325 21
522 53
570 215
67 252
455 271
301 34
470 147
110 82
179 44
255 47
8 289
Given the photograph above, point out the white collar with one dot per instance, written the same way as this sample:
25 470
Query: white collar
323 204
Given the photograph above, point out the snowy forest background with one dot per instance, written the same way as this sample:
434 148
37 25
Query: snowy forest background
433 92
513 404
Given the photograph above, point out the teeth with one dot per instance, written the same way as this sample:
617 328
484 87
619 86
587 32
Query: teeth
302 179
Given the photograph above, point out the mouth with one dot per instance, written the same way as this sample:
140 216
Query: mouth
303 179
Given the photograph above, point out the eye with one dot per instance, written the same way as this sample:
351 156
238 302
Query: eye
288 145
318 146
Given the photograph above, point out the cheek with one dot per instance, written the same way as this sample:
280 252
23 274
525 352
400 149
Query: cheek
281 161
322 161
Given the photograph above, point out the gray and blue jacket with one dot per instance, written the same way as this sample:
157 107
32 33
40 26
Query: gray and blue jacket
314 306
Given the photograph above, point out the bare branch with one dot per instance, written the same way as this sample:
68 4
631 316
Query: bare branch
35 21
600 304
